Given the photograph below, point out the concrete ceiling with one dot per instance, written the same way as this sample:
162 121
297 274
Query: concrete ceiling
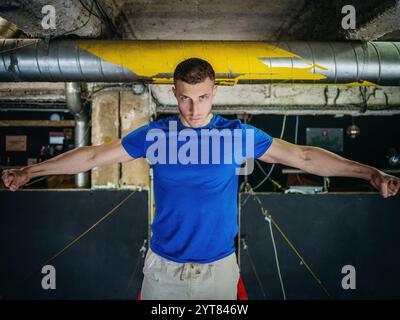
268 20
206 20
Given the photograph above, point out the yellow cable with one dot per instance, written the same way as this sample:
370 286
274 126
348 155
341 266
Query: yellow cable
291 245
299 256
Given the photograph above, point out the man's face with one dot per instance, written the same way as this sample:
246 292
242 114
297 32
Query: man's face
195 101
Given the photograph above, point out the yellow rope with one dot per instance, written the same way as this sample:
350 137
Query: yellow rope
69 245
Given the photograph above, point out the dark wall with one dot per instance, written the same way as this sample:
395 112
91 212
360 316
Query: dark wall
329 231
105 264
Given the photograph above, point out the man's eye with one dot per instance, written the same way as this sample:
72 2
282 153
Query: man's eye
203 98
184 98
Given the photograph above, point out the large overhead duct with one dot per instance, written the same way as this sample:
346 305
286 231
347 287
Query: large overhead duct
349 63
74 103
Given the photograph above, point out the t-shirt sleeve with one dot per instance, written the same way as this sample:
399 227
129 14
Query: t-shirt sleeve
134 142
262 140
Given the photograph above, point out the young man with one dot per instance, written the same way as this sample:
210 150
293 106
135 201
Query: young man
192 252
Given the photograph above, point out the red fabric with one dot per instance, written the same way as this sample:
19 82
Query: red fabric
242 294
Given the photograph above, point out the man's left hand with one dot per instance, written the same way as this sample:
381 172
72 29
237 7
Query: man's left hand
387 185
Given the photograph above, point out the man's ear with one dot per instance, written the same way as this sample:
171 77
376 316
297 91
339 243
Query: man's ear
173 90
215 90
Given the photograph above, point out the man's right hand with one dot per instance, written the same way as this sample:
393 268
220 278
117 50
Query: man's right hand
15 178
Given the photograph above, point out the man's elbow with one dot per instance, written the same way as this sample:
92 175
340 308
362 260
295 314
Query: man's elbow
97 156
306 153
316 161
89 156
304 157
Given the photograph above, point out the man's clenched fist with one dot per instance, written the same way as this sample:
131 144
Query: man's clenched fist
14 178
387 185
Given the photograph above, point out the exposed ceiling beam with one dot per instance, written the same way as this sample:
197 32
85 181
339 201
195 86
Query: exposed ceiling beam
384 23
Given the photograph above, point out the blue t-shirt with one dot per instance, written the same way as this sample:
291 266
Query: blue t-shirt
195 183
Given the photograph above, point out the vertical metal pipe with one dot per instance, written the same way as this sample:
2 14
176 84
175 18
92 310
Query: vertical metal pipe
74 103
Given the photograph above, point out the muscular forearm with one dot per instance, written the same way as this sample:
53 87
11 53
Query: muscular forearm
325 163
70 162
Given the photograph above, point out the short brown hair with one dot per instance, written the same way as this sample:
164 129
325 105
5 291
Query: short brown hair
194 70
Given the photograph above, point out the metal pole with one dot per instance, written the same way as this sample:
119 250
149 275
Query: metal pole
74 103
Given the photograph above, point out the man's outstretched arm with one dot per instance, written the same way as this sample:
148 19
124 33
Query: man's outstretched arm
71 162
328 164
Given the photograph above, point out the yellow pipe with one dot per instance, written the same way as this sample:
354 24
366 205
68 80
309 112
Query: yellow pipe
238 60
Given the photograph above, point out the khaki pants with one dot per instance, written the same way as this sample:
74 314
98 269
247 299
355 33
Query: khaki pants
169 280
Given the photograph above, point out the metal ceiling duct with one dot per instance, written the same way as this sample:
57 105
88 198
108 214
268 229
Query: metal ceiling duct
348 63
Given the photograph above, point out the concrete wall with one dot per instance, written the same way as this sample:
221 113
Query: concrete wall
114 115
